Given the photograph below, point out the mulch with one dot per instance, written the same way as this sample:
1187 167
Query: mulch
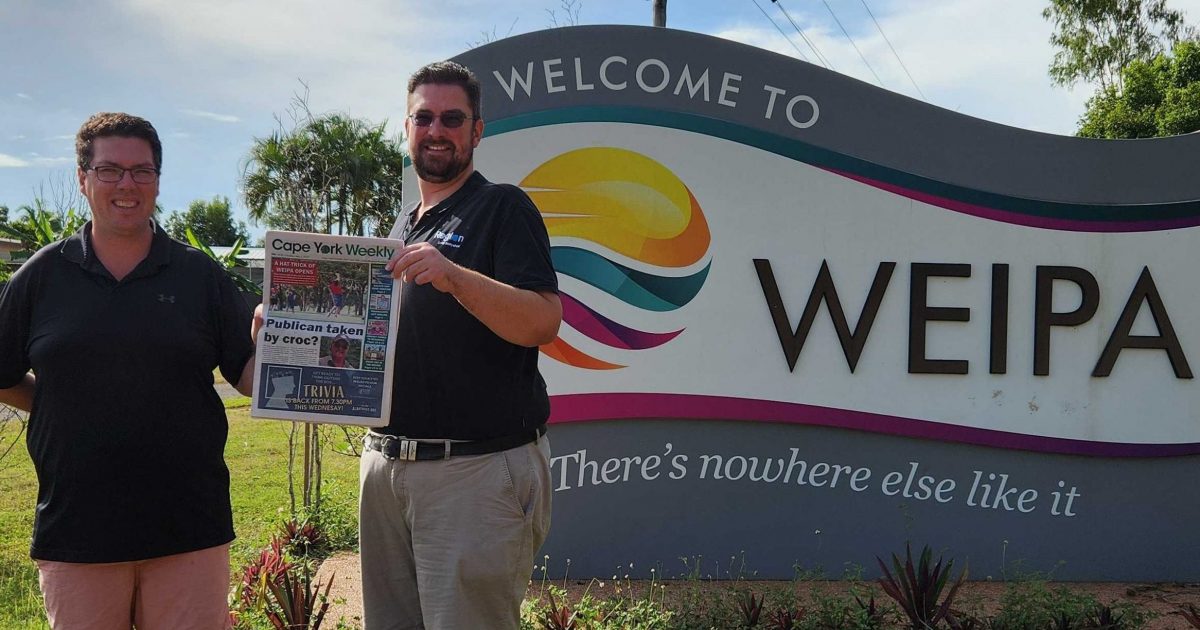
1163 600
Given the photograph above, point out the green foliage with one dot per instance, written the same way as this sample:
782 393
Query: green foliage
620 610
919 588
277 586
40 227
335 517
211 222
20 600
1161 97
323 174
228 261
1097 38
1033 604
12 428
751 607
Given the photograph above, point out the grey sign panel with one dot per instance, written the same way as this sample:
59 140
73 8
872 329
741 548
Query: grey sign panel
745 459
785 497
856 119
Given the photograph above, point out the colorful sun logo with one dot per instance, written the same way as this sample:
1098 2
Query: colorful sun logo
626 225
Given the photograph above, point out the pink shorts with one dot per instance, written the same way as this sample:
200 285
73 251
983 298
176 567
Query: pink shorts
186 591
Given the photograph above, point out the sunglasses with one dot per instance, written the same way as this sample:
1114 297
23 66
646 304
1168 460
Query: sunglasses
450 120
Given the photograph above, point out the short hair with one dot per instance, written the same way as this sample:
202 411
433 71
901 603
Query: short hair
119 124
449 73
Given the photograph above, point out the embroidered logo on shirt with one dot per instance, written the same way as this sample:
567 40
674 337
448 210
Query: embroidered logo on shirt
166 298
449 239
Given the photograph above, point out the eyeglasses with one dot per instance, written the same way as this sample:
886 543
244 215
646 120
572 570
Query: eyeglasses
450 120
114 174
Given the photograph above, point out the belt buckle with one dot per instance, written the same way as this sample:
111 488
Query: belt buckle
408 448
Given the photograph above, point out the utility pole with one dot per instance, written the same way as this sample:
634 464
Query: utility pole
660 13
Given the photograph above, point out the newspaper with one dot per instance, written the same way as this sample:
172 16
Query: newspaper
325 350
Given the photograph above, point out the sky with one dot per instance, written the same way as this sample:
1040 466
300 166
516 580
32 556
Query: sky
213 75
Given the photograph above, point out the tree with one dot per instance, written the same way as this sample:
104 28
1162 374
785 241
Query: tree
1098 38
324 174
1161 97
211 222
40 227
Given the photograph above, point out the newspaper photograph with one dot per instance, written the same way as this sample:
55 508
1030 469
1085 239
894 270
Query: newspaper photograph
324 350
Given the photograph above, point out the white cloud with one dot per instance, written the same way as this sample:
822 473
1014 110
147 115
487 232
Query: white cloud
983 58
355 57
25 96
10 161
53 161
225 118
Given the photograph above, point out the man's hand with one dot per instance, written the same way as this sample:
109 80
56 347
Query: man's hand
245 384
256 323
518 316
424 264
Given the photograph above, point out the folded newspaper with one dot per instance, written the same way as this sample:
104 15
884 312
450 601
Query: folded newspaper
324 353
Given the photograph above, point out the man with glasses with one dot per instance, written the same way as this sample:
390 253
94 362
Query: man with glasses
122 328
456 489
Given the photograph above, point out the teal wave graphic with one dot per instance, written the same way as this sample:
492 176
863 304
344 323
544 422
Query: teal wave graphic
637 288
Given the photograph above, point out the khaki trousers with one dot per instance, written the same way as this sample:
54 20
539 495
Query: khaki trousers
450 544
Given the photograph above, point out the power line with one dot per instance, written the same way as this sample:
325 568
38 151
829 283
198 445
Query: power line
824 60
776 25
889 43
851 40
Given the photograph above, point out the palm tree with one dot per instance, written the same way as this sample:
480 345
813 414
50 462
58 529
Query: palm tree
277 183
331 172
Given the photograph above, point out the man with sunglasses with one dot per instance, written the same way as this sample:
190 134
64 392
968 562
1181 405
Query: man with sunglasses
456 490
122 328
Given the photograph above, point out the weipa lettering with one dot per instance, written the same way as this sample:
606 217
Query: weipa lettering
920 315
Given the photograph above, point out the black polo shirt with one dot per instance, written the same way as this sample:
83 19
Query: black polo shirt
455 378
127 434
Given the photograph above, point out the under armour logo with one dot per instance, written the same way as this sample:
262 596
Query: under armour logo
166 298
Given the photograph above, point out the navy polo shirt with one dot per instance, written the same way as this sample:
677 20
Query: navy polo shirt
126 433
455 378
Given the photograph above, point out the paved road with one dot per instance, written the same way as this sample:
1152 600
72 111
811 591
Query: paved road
226 390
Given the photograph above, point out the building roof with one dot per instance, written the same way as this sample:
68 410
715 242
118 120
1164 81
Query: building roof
253 256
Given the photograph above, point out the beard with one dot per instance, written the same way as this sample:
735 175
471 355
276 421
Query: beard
439 169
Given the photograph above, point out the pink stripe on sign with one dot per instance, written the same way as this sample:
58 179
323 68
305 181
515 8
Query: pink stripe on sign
623 406
1016 218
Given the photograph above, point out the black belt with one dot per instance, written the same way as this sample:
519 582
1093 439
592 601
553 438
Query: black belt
393 447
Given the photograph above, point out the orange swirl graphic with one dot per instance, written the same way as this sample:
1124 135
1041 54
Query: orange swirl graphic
622 200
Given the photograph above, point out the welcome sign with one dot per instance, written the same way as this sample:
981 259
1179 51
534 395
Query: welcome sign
807 320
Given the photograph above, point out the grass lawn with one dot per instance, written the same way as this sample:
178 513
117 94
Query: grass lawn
257 457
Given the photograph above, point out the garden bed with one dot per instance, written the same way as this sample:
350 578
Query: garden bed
1159 604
